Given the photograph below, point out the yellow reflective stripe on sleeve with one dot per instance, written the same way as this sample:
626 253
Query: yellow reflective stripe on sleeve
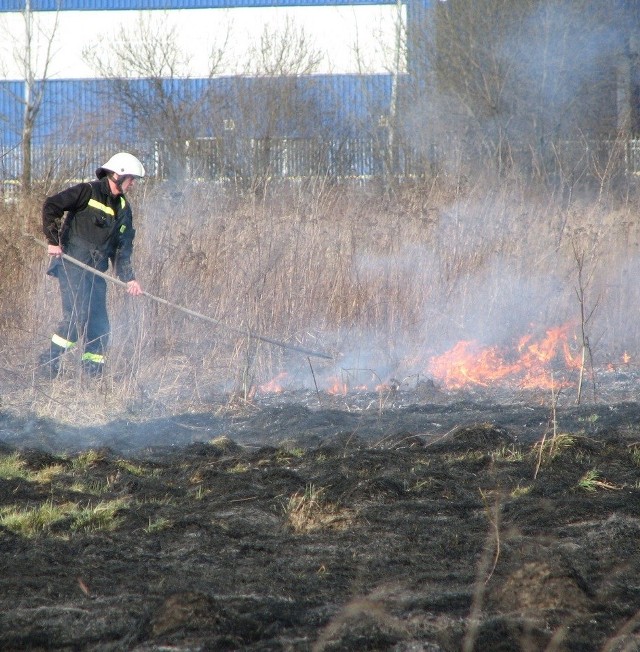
123 228
123 203
61 342
93 357
101 207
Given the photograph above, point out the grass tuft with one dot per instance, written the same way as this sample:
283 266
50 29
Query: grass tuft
102 516
548 449
308 511
32 521
157 525
12 466
88 460
592 481
64 518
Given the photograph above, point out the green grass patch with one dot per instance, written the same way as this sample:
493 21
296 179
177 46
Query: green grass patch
102 516
12 466
548 449
592 480
87 460
41 519
520 491
136 469
32 521
508 454
93 487
157 525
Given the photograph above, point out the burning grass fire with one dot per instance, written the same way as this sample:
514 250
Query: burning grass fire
543 363
551 361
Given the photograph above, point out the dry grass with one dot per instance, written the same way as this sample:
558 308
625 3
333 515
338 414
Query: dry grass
309 510
382 284
546 450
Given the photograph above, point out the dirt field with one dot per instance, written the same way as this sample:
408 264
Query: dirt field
307 522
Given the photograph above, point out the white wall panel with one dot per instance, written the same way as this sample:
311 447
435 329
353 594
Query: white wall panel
350 38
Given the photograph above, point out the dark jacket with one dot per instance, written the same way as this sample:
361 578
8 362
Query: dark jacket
98 227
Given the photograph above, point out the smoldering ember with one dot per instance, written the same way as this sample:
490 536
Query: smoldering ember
430 515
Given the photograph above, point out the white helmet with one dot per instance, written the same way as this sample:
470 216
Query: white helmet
122 163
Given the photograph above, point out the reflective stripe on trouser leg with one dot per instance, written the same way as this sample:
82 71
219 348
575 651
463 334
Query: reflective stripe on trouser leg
58 347
96 358
93 364
61 342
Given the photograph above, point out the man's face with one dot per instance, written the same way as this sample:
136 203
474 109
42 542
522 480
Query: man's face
121 185
126 182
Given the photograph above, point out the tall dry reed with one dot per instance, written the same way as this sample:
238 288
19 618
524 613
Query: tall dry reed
381 280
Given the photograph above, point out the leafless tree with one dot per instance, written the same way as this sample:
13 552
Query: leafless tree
283 52
509 80
272 101
33 57
383 115
150 85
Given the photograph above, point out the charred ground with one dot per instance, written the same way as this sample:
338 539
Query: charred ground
421 522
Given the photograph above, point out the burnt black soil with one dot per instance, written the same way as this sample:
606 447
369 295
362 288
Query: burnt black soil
302 525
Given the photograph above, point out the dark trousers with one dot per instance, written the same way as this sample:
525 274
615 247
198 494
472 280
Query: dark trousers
84 310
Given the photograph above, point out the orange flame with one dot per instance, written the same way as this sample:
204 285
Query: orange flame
337 387
469 364
273 385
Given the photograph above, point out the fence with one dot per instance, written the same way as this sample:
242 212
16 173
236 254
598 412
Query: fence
238 159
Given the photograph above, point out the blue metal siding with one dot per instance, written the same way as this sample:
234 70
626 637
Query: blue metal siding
11 93
138 5
10 127
69 106
340 105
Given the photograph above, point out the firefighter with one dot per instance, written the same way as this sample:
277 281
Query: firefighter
91 222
